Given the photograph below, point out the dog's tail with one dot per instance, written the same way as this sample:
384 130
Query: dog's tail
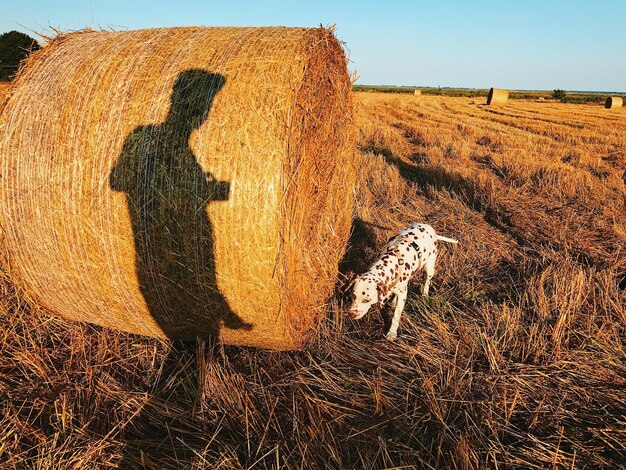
448 240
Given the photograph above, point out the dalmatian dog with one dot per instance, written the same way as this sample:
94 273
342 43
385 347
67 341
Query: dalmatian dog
410 250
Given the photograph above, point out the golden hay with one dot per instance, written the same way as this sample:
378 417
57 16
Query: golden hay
181 182
4 91
497 96
417 92
613 102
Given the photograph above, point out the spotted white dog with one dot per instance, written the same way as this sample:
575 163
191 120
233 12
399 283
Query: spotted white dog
412 249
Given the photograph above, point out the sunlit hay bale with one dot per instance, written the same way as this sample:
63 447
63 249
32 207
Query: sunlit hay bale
183 182
613 102
4 92
417 92
497 96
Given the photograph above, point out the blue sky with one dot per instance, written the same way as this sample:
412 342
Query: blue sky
575 45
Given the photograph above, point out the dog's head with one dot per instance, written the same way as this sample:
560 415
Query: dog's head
365 294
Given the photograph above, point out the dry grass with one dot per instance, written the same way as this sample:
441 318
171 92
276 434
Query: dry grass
516 361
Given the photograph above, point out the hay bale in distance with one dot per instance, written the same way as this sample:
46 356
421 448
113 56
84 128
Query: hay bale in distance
181 182
417 92
613 102
497 96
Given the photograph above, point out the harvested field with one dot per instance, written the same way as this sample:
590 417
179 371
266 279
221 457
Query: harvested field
517 360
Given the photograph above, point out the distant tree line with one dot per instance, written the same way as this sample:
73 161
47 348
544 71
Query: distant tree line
14 47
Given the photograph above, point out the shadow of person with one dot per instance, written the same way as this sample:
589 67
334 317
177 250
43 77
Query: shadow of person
167 194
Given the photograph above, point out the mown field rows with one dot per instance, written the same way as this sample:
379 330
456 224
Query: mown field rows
517 359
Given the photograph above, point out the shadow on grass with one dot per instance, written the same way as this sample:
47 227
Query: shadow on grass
164 432
360 251
429 177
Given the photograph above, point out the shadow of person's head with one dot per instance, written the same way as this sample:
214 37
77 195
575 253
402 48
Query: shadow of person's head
192 97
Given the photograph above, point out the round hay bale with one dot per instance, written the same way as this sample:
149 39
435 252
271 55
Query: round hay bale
497 96
613 102
181 182
417 92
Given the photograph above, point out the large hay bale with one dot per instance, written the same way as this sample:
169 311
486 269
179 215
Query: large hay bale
497 96
181 182
417 92
613 102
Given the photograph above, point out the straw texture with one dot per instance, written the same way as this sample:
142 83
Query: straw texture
4 92
181 182
613 102
497 96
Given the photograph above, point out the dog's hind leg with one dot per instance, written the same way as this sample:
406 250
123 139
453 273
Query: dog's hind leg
430 272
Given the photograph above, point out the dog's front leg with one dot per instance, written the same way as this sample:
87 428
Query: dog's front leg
400 300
